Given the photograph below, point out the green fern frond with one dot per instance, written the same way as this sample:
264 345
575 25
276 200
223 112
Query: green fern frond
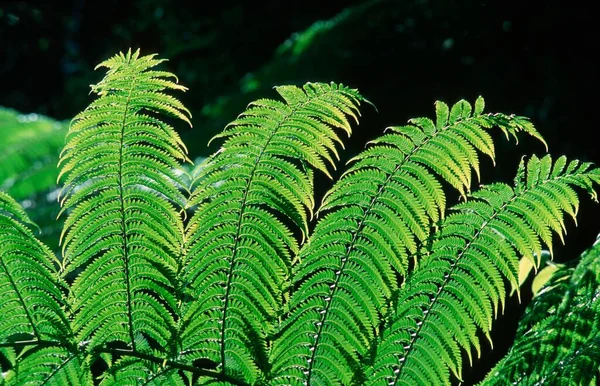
123 234
238 246
49 366
558 339
31 305
31 301
457 289
379 211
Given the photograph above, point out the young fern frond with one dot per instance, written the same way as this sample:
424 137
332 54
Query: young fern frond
457 288
558 338
32 323
123 234
378 212
239 248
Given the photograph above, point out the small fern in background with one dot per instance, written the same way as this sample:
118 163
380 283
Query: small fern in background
228 272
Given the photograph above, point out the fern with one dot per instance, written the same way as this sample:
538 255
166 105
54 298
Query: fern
210 274
558 338
30 146
378 213
458 288
32 306
238 248
124 231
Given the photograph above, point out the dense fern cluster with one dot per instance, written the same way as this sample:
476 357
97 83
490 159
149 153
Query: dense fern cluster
218 279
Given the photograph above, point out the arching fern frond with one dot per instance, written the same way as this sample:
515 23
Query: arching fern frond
33 326
31 301
378 212
558 339
457 289
49 366
124 232
238 246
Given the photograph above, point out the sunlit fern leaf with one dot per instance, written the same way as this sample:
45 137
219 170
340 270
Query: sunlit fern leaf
31 292
378 212
123 233
558 339
50 366
31 308
456 290
239 247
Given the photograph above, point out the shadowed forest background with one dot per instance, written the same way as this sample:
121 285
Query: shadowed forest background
532 58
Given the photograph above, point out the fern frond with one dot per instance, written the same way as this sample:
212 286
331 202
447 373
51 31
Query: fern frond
379 211
558 339
124 232
50 366
457 289
238 246
32 298
32 307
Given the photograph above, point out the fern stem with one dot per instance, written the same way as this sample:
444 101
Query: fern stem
122 203
239 228
34 342
235 246
58 368
448 275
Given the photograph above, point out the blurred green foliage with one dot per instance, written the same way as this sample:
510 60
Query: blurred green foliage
562 325
30 144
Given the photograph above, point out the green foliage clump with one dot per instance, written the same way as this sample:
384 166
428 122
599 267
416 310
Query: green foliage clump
226 276
31 144
562 326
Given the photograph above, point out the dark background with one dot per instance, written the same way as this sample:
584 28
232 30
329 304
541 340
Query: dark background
533 58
